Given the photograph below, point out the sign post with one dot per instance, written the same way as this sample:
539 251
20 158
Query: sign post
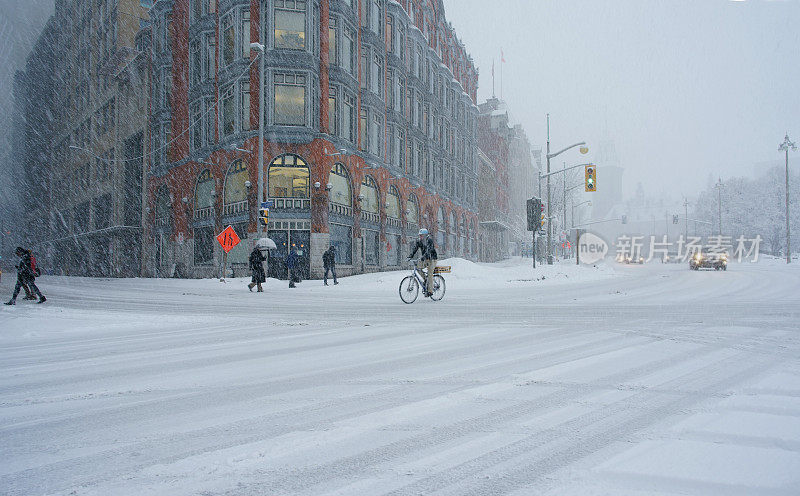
227 239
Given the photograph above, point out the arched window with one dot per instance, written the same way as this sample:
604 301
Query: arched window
412 210
369 192
204 195
393 203
289 177
235 191
341 193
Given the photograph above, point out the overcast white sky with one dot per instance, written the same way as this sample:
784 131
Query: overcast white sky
684 88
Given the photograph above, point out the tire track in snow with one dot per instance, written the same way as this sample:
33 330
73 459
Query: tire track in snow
208 440
356 465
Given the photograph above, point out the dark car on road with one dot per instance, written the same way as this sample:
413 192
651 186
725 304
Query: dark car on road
708 261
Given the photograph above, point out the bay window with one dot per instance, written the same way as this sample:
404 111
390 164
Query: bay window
290 24
290 99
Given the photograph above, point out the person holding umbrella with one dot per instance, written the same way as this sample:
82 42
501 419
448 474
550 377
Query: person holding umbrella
257 269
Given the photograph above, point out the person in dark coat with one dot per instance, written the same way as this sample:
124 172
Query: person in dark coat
257 269
329 263
26 274
291 265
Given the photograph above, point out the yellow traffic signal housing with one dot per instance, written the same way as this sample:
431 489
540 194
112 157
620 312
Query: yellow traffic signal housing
263 216
590 172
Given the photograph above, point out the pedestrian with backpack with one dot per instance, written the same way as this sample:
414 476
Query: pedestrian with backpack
26 275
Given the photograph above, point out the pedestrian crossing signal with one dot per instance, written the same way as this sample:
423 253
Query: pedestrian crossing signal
263 216
590 174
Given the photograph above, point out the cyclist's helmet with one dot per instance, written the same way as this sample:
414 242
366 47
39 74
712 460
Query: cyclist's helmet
423 231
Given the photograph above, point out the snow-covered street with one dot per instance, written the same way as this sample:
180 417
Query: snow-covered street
624 380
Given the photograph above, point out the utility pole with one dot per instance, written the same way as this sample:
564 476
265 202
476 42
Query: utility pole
685 219
785 147
666 223
564 205
549 245
719 204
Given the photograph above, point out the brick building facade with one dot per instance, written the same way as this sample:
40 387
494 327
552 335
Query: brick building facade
370 132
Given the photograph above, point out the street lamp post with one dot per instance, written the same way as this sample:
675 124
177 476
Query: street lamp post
785 148
685 219
719 204
261 54
549 217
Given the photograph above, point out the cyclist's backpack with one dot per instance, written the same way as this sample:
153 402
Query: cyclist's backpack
34 269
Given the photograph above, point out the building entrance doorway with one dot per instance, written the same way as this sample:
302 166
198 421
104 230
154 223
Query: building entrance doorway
284 239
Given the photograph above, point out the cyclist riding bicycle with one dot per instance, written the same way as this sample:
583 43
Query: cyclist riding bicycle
428 258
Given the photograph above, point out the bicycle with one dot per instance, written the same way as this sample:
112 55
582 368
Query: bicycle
409 286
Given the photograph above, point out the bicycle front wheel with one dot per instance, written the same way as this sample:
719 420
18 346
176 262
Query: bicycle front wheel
409 289
438 288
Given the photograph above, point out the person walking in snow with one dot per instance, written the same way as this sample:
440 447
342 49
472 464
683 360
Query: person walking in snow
291 265
428 258
257 269
26 275
329 263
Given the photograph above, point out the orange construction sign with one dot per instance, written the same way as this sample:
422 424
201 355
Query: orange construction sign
228 239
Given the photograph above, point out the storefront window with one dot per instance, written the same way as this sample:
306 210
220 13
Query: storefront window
342 239
203 245
371 247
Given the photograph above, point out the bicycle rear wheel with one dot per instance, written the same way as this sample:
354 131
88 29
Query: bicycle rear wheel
409 289
438 288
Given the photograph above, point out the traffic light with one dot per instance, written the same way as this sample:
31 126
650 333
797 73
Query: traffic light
674 219
624 219
591 176
534 207
542 217
263 216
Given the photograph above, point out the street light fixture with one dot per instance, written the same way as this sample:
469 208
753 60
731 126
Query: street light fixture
238 149
785 148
